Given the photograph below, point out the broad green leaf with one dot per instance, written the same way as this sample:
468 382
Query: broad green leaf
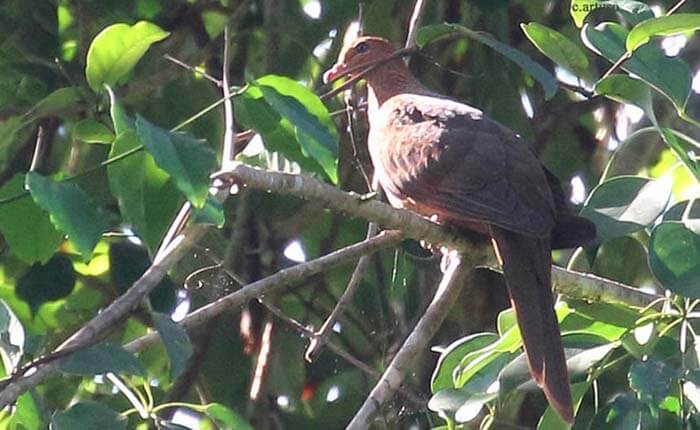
453 355
429 33
674 257
652 380
314 128
626 204
91 131
505 321
627 90
88 416
70 210
48 282
102 358
27 415
117 49
557 47
661 26
458 404
516 375
126 180
57 101
225 417
25 226
183 157
670 76
623 412
277 133
177 343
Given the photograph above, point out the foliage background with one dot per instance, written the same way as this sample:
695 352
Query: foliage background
50 287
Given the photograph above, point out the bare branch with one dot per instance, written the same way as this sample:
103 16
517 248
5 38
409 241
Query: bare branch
416 17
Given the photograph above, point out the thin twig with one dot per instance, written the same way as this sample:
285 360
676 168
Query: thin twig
229 146
415 344
416 18
39 150
193 69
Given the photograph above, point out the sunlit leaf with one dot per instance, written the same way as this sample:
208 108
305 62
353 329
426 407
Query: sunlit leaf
117 49
625 204
25 226
661 26
314 128
557 47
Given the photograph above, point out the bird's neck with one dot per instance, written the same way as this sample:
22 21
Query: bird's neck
388 81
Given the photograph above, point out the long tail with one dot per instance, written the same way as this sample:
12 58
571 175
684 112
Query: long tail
527 265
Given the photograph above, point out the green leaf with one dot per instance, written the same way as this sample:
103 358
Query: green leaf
183 157
88 416
626 204
633 11
680 151
669 76
277 133
177 343
429 33
102 358
453 355
25 226
314 128
652 380
117 49
126 180
516 375
27 415
661 26
627 90
458 404
57 101
48 282
91 131
623 259
557 47
70 210
674 257
225 417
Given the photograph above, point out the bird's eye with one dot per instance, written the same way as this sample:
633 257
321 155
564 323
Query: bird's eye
361 47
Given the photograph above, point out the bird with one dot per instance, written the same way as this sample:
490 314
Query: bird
448 161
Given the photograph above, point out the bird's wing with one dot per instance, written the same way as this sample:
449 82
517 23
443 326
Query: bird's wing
460 164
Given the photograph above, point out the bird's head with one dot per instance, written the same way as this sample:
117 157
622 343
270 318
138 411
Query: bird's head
363 51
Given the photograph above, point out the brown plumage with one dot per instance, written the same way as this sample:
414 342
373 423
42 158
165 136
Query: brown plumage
439 157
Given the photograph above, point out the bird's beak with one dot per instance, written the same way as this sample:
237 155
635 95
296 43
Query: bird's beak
334 73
